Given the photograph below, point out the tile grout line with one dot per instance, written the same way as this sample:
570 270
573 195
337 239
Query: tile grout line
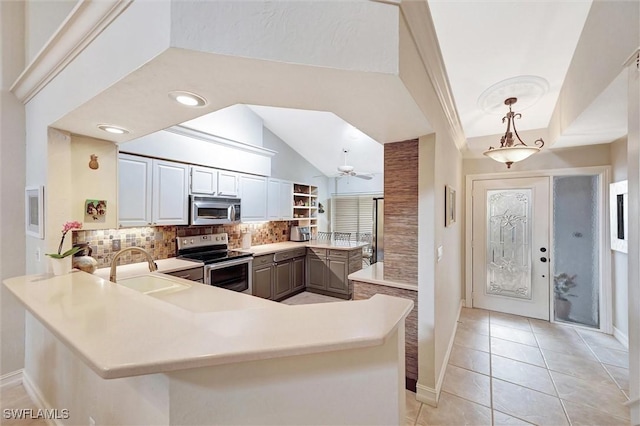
493 420
602 364
553 382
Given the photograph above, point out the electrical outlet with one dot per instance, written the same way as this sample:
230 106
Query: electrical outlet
115 245
92 422
38 254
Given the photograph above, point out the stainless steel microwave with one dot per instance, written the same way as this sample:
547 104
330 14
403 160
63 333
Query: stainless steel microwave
214 211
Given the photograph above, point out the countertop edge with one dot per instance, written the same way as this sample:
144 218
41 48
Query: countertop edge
398 307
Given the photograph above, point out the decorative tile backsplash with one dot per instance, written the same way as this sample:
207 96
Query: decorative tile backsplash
160 241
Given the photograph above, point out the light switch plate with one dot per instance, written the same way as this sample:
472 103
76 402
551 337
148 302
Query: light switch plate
440 250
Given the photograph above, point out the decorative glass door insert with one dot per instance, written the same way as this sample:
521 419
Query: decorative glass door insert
509 243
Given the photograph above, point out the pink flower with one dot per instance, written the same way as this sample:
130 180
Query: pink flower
66 228
71 225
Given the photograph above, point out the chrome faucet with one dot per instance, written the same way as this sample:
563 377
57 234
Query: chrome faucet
114 261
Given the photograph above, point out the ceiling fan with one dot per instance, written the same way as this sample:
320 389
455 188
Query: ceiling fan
347 170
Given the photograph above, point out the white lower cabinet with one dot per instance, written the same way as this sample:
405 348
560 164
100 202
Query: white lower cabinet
152 192
253 198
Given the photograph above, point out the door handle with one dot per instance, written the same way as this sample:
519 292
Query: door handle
543 249
543 259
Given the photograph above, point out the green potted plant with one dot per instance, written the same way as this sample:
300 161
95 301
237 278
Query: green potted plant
562 285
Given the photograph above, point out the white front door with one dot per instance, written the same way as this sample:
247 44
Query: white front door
511 246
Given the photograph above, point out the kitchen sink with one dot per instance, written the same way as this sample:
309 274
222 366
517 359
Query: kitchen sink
152 283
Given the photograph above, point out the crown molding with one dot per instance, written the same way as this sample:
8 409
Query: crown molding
426 41
634 57
85 22
207 137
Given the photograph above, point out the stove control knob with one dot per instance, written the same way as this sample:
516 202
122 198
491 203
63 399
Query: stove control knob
217 238
184 241
192 241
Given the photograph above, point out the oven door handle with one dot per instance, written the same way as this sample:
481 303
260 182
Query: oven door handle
227 263
232 213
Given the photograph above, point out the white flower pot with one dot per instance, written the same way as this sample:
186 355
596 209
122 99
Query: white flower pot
60 266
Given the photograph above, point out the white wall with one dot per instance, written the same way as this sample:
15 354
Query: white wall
354 185
43 17
547 159
100 184
237 123
12 183
439 283
619 261
287 164
601 56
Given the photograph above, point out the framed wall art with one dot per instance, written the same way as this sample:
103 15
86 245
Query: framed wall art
449 206
619 215
34 211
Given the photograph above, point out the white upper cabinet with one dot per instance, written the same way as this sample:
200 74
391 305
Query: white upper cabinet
280 196
253 193
170 193
204 180
152 192
217 183
286 200
134 190
227 184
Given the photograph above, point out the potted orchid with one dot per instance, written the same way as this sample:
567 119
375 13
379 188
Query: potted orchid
59 262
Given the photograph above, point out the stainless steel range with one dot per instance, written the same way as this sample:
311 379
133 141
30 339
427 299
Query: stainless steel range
224 268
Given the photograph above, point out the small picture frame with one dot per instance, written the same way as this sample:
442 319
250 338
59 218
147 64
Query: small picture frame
619 215
449 206
34 211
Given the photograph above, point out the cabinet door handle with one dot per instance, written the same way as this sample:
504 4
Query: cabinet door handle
543 259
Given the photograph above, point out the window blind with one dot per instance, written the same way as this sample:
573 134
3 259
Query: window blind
352 214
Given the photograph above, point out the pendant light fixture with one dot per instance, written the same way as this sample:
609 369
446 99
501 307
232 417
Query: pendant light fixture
511 151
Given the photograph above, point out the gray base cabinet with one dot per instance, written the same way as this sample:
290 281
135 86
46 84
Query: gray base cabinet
328 270
283 282
280 275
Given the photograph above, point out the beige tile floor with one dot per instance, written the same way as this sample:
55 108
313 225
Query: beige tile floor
307 298
505 369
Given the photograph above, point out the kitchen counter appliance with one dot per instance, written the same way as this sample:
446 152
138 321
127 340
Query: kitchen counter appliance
300 233
224 268
214 210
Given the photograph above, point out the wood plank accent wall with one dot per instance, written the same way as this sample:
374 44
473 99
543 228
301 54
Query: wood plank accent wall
362 290
401 211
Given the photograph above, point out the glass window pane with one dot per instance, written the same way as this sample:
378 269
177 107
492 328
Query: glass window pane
508 243
576 276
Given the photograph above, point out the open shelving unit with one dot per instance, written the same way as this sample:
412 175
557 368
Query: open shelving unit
305 206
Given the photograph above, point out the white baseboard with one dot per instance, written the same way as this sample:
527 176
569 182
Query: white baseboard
39 399
426 394
621 337
11 379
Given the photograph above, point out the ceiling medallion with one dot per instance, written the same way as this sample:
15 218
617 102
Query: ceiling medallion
509 151
528 89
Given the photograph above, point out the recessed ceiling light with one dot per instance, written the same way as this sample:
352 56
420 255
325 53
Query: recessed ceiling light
112 129
187 98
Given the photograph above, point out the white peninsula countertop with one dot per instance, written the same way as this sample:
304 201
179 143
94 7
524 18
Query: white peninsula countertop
120 332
